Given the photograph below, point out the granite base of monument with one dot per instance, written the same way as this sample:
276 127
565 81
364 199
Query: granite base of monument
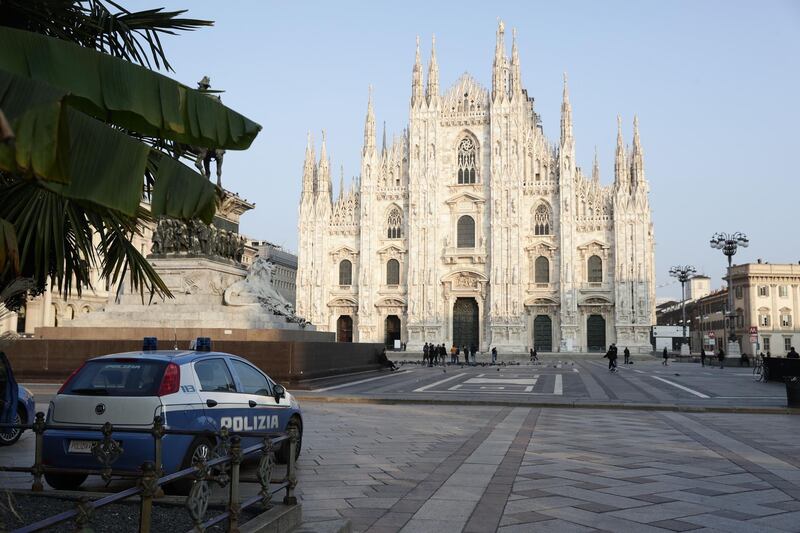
206 293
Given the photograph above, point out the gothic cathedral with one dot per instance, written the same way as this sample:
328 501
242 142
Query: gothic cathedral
473 228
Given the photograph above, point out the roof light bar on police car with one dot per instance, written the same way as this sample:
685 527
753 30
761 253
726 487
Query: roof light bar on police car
150 344
203 344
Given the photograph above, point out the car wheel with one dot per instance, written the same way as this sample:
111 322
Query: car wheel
65 481
200 449
282 457
9 436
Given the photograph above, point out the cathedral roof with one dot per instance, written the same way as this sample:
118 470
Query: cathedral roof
466 90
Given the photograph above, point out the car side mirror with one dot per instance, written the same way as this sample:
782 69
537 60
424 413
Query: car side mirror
279 391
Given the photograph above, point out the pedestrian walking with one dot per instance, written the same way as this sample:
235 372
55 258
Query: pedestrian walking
455 352
666 357
611 354
494 354
472 351
627 354
443 354
702 356
425 349
721 358
534 355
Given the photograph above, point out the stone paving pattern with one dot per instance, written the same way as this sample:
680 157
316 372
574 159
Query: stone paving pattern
443 468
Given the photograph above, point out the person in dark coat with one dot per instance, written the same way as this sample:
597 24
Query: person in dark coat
627 353
793 354
494 354
472 351
384 361
702 357
611 354
534 355
721 358
665 354
425 353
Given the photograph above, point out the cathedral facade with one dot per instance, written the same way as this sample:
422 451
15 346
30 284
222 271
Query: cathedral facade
473 228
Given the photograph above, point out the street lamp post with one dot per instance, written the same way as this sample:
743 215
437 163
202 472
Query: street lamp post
729 243
683 273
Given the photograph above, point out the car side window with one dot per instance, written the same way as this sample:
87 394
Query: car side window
253 381
214 376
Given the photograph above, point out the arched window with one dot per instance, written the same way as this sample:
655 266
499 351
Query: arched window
467 161
395 224
541 270
595 269
466 232
541 220
393 272
345 273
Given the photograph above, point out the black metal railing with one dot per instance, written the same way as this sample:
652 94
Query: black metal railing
223 469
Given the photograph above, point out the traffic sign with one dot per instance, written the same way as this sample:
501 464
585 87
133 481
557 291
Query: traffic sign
753 330
753 339
711 334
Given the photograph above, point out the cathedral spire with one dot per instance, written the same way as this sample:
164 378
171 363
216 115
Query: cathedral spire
416 79
499 66
383 145
323 172
309 170
620 169
369 128
566 115
341 182
433 74
596 167
637 156
516 76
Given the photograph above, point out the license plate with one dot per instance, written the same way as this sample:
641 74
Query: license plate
80 446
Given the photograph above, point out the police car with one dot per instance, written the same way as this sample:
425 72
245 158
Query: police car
193 390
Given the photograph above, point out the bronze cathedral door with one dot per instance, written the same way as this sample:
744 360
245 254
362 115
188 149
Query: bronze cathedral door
465 322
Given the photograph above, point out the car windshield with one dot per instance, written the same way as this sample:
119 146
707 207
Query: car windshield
117 377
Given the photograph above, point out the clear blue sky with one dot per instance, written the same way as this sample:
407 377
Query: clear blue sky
715 84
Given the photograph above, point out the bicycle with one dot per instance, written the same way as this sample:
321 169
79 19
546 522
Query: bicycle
760 372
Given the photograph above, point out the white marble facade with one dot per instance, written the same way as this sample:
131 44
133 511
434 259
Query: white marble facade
473 227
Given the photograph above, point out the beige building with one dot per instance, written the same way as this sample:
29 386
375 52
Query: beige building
767 296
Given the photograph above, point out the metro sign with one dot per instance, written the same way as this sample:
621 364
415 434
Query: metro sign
753 330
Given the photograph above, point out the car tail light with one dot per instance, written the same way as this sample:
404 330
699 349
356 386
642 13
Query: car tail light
71 377
171 382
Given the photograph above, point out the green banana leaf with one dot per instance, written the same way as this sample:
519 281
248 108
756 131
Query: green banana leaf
132 97
86 160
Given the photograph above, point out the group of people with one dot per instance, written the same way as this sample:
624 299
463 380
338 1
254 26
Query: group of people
434 354
612 355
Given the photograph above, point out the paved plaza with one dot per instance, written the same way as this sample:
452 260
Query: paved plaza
444 467
569 381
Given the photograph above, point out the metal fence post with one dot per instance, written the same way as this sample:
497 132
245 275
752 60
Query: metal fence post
264 473
149 484
38 468
291 475
84 516
158 434
234 509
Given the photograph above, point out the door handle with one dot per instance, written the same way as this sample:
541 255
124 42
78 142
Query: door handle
211 403
252 403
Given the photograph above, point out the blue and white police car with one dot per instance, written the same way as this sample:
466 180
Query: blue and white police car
193 390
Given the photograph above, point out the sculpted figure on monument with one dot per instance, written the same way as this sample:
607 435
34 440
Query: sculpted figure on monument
257 289
173 236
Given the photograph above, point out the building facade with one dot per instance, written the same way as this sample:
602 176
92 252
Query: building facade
473 228
766 299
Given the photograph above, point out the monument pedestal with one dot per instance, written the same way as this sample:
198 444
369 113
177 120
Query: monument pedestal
734 350
197 285
685 349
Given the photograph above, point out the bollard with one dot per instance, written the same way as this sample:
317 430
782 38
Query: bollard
38 467
149 485
234 509
291 475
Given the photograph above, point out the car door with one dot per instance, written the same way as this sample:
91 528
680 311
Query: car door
222 403
267 414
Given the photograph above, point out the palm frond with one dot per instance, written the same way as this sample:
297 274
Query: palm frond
130 35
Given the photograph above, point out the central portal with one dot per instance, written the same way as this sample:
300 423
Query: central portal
465 322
